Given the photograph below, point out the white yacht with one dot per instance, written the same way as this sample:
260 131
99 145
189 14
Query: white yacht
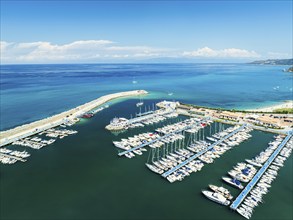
117 124
216 197
139 104
244 213
154 169
253 163
233 182
225 192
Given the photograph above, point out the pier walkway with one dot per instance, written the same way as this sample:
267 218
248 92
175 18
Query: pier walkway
13 157
162 137
148 115
144 113
200 153
258 175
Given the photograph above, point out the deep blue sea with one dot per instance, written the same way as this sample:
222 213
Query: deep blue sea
31 92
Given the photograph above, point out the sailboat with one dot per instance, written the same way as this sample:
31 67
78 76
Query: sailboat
140 103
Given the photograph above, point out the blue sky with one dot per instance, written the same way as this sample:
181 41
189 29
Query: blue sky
73 31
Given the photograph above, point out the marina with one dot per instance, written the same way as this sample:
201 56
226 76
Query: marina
258 176
166 174
176 149
167 110
176 152
146 110
36 142
266 173
174 156
172 135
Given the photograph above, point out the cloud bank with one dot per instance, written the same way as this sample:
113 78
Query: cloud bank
106 50
225 53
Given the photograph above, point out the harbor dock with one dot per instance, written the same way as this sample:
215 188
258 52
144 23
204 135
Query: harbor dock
202 152
12 157
259 174
23 131
163 137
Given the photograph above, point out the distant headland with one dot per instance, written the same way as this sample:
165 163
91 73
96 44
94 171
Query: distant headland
274 62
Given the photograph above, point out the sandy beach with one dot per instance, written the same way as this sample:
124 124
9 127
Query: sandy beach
26 130
286 104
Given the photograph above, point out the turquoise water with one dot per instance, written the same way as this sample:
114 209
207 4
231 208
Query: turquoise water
81 176
31 92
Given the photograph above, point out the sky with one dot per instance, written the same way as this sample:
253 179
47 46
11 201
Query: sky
130 31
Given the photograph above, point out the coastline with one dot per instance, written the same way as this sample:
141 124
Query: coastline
272 108
25 130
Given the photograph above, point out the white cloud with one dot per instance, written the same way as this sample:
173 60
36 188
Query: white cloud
4 45
103 50
278 55
86 50
224 53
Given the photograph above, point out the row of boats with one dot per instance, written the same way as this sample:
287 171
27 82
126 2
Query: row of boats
206 154
188 124
156 139
58 133
218 194
117 124
8 156
262 187
156 118
264 155
243 172
12 156
35 142
38 142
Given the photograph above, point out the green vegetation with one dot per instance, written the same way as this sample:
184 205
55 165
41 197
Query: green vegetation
284 110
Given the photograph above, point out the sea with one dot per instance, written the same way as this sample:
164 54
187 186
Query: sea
82 177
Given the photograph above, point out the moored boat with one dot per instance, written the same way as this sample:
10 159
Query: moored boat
225 192
233 182
216 197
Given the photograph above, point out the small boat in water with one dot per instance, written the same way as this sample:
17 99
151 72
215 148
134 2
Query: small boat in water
216 197
253 163
244 213
233 182
225 192
139 104
87 115
154 168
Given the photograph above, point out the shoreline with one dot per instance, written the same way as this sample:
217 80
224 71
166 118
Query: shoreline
272 108
22 131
